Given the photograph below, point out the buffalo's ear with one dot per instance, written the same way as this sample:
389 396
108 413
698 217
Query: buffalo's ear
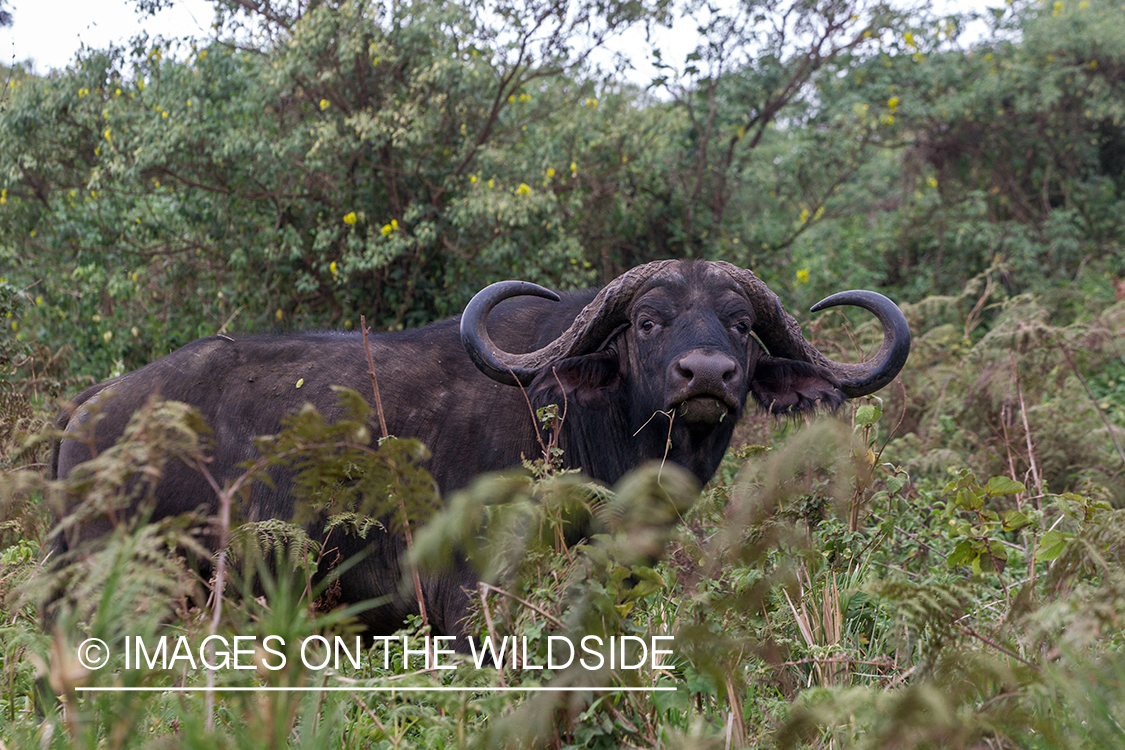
588 380
784 386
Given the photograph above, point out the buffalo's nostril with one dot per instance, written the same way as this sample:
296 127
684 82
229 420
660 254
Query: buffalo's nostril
705 369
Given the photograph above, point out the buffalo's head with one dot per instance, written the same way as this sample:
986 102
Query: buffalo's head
689 340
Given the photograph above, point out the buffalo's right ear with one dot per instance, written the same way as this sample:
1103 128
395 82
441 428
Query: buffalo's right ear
785 386
589 380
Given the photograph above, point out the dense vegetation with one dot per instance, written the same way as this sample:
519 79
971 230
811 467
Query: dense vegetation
938 567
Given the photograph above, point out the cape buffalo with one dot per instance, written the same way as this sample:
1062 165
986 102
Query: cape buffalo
687 338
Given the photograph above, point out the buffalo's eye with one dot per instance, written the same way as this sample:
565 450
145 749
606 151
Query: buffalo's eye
647 325
742 327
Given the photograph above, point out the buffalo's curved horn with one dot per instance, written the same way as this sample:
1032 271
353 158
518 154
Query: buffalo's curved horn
590 327
781 333
868 377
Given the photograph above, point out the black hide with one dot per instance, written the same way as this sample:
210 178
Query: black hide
684 358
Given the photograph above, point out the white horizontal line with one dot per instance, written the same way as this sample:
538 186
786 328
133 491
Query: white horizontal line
364 689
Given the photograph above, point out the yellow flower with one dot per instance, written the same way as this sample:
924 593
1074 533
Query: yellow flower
39 299
164 114
350 218
803 276
909 37
1057 9
931 181
325 104
117 92
550 172
278 314
107 336
394 224
473 179
387 229
492 183
511 98
804 215
592 103
523 189
3 196
892 103
83 92
332 268
574 168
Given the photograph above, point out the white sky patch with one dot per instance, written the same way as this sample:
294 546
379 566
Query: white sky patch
51 32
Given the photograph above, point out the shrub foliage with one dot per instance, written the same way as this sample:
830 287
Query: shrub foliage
938 566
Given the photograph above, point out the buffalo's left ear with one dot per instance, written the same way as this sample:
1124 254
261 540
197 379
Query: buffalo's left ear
784 386
588 379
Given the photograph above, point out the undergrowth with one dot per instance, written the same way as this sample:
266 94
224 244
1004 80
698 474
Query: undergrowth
941 567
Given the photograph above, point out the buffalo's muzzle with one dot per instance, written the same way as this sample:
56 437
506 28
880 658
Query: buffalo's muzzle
703 385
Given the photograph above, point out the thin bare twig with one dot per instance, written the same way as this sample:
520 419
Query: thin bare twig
667 442
488 622
374 380
225 496
489 587
989 642
1027 431
401 504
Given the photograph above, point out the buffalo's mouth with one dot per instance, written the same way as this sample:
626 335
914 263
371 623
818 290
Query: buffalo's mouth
704 408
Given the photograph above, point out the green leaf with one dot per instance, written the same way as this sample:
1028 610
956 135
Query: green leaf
998 486
1015 519
1051 546
962 553
970 500
868 414
1064 503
